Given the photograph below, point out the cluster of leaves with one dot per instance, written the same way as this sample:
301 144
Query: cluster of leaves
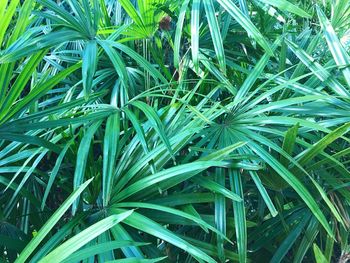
174 131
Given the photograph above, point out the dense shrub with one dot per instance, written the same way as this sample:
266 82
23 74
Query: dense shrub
174 130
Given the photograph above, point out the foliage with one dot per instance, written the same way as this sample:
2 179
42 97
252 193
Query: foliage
174 131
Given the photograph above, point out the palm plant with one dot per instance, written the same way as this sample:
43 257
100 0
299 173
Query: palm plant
174 131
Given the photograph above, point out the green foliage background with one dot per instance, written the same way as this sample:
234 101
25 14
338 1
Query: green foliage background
174 131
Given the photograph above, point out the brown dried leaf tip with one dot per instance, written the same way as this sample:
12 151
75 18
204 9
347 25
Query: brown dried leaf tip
165 23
